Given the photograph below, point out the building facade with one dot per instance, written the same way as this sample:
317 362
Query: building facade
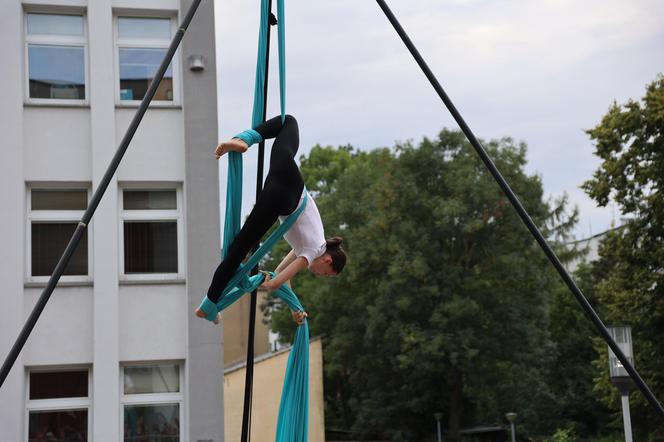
117 354
269 374
235 324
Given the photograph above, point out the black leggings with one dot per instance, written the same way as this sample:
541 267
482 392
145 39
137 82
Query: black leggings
280 197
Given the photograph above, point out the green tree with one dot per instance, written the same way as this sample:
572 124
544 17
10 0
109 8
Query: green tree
629 276
444 303
572 371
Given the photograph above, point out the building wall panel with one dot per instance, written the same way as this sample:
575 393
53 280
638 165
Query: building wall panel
57 144
63 335
157 150
152 322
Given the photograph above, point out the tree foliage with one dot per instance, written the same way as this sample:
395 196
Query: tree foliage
629 277
446 300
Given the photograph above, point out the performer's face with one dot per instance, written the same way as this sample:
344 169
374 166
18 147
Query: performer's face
322 266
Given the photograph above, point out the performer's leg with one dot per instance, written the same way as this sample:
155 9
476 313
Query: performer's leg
284 173
261 218
283 188
272 128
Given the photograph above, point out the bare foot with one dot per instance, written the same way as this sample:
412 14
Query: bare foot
201 314
232 145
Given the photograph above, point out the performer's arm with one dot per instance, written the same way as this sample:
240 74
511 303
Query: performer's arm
296 265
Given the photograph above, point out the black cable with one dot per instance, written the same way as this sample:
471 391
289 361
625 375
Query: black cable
525 217
249 378
96 198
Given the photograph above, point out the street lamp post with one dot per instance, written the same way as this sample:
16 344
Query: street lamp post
511 417
438 417
619 376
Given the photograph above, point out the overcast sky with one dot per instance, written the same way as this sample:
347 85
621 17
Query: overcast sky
538 71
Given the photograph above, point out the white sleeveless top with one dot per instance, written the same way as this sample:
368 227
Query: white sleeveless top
306 235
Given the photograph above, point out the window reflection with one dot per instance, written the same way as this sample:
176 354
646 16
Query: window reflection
56 71
152 423
43 199
144 28
55 24
58 384
137 69
49 240
149 200
151 247
152 379
58 426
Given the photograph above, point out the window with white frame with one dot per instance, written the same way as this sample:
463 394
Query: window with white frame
57 405
142 43
151 234
55 48
152 402
53 215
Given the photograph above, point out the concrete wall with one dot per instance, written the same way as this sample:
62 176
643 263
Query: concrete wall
204 346
56 341
159 153
268 380
13 219
55 152
107 322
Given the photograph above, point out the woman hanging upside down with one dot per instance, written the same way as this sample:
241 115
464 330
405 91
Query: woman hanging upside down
282 194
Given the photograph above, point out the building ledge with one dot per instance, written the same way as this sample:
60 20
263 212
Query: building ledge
42 284
152 106
153 281
59 104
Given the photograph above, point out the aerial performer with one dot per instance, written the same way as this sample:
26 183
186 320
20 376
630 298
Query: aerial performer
282 195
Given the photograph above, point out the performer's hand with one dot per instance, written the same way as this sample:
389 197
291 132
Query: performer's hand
233 145
268 283
298 317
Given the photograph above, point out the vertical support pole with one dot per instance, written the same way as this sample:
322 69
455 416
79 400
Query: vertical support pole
249 371
627 420
438 416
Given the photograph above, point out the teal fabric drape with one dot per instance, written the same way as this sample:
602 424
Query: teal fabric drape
292 422
293 418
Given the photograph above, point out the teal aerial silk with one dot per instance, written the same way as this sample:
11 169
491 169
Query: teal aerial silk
292 423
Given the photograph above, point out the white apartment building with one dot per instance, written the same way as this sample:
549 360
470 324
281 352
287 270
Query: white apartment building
117 354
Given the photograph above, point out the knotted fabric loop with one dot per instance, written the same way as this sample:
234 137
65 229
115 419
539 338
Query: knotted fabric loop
249 136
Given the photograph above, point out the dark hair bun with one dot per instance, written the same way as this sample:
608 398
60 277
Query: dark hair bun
336 252
334 242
